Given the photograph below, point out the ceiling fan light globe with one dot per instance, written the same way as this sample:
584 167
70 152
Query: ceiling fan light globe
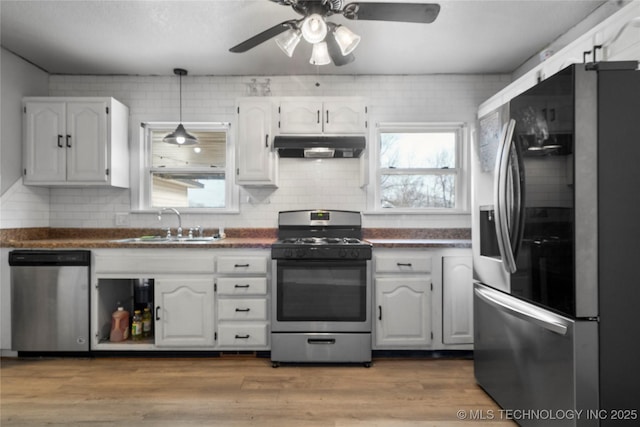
320 54
288 41
346 39
314 28
180 136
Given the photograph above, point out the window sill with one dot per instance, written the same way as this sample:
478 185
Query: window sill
417 212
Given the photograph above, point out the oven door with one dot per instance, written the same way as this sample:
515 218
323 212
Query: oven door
321 296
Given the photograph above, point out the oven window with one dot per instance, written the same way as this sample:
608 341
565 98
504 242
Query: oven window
322 291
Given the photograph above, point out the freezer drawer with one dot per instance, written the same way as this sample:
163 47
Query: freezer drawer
529 359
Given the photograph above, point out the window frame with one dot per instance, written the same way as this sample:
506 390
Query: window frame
146 166
460 172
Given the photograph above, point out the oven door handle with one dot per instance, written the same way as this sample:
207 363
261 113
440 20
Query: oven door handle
328 341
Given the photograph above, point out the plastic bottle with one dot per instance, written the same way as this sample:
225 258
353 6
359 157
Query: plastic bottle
136 326
146 323
119 325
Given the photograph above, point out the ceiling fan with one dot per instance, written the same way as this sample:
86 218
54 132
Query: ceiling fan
341 42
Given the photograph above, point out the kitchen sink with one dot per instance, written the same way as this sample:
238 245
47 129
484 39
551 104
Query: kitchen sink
161 239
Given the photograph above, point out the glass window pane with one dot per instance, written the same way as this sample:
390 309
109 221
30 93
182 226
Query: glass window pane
188 190
209 152
418 150
417 191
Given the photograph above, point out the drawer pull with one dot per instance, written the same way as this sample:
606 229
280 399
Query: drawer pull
240 265
241 286
327 341
401 264
243 310
243 337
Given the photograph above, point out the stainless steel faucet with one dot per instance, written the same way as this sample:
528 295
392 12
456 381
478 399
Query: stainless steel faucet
175 211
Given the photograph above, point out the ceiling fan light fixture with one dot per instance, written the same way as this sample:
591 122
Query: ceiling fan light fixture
347 39
320 54
180 136
314 28
288 40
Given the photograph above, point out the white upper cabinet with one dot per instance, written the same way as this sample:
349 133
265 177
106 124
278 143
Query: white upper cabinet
255 160
75 141
317 115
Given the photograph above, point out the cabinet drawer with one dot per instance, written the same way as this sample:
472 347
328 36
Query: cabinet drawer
242 265
242 286
402 264
247 335
242 309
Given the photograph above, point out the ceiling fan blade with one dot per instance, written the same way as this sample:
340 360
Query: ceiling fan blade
335 54
263 36
424 13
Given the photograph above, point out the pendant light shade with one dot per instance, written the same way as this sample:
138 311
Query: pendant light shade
180 136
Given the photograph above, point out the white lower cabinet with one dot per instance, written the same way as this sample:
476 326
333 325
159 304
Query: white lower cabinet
403 312
195 306
242 301
457 300
184 312
423 299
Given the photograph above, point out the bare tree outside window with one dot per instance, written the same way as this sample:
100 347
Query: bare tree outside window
418 170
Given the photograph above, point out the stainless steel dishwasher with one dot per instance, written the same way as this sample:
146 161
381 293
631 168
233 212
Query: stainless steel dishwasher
50 300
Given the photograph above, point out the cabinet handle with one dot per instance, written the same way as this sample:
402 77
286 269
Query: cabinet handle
318 116
400 264
157 315
240 265
379 312
242 337
266 141
241 286
327 116
60 141
68 141
243 310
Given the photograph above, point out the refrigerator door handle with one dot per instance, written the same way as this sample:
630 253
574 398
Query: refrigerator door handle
500 199
521 310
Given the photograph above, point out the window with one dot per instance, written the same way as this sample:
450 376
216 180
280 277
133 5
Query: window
194 176
419 167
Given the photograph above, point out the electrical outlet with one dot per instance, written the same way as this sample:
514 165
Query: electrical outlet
122 219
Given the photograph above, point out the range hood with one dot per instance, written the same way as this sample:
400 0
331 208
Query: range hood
320 146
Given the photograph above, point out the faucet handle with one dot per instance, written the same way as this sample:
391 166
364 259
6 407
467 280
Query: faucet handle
200 231
168 230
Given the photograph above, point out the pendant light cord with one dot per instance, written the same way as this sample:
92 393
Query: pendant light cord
180 98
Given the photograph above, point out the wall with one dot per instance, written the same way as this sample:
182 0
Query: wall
304 183
19 206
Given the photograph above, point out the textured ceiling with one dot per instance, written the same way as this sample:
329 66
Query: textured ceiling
153 37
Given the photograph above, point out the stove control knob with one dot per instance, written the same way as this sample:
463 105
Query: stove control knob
355 253
342 253
288 253
300 253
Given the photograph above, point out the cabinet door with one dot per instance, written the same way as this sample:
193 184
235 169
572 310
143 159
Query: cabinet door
184 312
86 141
403 314
457 309
255 157
345 116
301 116
44 142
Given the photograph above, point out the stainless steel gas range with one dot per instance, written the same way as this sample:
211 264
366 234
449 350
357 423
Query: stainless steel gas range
321 293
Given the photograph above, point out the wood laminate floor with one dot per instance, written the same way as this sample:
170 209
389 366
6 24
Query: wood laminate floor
240 391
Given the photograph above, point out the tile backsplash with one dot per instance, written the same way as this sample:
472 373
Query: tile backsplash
303 183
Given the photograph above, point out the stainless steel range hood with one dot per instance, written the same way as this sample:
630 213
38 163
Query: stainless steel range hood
320 146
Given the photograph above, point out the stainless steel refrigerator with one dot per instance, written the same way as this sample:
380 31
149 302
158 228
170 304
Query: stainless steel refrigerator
556 247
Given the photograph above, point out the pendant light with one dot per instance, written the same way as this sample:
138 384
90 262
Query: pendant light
180 136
